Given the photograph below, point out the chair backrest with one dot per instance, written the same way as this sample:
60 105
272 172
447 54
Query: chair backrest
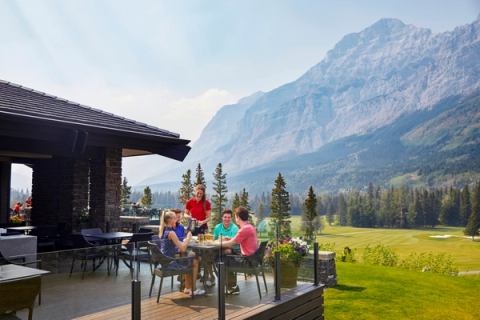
19 295
144 230
3 260
156 255
79 241
260 253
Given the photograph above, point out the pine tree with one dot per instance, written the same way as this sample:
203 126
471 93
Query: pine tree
309 214
342 210
236 201
200 177
473 224
280 207
330 213
186 189
465 206
219 198
147 197
244 200
260 211
125 192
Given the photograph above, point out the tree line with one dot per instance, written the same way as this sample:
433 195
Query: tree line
374 206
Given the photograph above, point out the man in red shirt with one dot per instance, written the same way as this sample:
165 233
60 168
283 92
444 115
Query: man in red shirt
246 238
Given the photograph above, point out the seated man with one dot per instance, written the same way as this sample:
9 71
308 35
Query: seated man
226 229
246 238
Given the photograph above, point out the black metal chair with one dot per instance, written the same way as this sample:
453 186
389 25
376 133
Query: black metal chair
249 265
87 251
18 295
164 266
136 248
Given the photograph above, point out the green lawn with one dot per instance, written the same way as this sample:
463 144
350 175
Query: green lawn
465 252
374 292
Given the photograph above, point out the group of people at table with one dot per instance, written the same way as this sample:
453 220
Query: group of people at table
239 238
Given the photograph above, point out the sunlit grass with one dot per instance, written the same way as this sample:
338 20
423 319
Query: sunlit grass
465 252
374 292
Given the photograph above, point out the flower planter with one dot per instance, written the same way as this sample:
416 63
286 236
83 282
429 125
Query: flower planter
288 274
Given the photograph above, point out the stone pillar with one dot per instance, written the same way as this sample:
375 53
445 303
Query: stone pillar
327 269
5 176
105 181
59 191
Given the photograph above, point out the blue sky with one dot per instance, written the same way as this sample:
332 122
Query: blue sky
173 64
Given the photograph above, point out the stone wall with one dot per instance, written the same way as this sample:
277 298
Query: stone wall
63 188
105 181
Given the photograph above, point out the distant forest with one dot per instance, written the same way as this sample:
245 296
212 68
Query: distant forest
373 206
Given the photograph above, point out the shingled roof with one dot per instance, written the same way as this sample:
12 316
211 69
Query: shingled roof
28 105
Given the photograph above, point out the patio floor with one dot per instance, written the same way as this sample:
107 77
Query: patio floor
103 296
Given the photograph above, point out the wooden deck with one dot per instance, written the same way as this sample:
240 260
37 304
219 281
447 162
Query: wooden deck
176 305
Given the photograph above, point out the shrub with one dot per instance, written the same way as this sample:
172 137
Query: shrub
429 262
380 255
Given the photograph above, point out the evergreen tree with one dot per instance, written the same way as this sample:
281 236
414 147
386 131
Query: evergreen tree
260 211
200 177
236 201
244 200
465 206
342 210
330 213
186 189
125 192
280 207
219 198
309 214
473 224
147 197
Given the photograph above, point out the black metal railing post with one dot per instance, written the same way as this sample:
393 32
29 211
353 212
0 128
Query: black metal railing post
136 287
221 290
277 276
315 264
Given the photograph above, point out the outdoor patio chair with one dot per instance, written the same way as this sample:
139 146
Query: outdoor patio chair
18 295
164 266
136 248
87 252
249 265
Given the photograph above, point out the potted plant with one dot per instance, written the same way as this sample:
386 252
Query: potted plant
292 251
16 219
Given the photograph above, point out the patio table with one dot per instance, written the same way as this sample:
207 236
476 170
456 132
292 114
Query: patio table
24 229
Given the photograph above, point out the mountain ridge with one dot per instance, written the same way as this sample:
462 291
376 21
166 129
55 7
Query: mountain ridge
368 81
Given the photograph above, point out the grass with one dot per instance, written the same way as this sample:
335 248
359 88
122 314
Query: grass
374 292
465 252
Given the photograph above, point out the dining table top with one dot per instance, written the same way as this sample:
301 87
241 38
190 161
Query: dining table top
109 235
12 272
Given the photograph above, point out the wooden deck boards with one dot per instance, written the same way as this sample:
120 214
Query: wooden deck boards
176 305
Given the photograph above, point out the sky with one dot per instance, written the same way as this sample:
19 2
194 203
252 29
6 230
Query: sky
173 64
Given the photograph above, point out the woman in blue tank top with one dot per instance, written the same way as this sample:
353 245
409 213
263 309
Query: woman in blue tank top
170 245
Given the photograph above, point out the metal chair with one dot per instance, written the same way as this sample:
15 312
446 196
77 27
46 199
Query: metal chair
87 251
164 266
136 248
249 264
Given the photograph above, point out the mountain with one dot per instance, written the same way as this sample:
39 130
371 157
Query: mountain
355 116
